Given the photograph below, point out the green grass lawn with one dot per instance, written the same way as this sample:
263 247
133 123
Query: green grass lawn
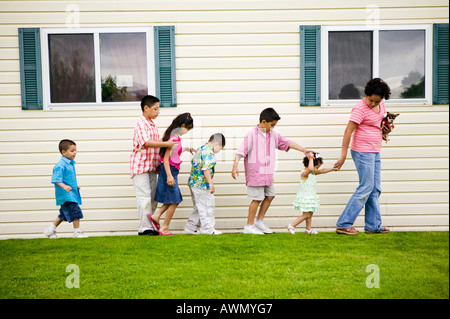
232 266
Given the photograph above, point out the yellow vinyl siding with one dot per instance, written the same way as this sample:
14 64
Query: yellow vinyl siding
233 58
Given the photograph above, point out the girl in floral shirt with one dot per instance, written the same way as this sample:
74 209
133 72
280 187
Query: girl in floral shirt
202 187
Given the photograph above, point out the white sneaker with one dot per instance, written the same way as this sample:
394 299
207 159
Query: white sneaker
251 229
190 231
260 225
214 232
50 233
79 234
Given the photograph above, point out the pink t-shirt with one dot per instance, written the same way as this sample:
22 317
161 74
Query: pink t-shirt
258 150
368 135
174 158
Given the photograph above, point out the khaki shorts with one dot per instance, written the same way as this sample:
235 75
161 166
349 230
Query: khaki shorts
258 193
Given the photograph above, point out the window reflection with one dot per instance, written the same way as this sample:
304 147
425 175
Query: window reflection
350 63
71 60
123 59
402 62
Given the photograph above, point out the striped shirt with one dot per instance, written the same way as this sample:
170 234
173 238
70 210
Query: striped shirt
368 135
144 159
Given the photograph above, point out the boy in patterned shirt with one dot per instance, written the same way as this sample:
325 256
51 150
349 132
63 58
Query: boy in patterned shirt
202 187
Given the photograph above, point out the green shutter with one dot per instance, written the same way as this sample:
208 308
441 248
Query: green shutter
30 68
165 65
310 65
440 63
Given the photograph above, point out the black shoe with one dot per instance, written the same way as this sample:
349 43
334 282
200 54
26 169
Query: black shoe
149 232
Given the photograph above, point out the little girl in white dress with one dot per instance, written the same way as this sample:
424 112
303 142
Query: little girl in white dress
307 200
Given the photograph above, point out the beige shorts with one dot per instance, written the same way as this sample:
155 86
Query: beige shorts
258 193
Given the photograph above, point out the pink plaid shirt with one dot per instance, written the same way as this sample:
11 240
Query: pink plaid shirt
144 159
258 150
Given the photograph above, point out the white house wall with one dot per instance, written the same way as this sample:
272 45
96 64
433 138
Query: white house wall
233 59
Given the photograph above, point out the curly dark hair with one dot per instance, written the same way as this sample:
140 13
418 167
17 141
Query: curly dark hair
317 161
378 87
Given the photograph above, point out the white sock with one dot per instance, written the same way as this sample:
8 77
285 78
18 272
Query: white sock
76 230
52 227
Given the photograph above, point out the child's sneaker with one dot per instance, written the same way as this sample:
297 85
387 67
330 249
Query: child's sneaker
79 234
260 225
190 231
50 233
251 229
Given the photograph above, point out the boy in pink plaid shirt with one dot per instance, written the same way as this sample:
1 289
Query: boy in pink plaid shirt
258 151
144 162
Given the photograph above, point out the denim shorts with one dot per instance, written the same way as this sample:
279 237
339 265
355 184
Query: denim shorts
70 211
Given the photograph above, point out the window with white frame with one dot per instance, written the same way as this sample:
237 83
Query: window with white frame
97 67
400 55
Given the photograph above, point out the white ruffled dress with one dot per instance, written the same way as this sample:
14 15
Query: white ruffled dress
307 199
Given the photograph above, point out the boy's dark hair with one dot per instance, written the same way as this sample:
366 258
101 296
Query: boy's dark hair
317 161
65 144
148 100
182 119
269 115
218 137
378 87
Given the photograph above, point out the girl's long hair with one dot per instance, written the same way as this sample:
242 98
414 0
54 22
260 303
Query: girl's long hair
174 128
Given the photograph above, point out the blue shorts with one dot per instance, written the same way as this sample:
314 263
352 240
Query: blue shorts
70 211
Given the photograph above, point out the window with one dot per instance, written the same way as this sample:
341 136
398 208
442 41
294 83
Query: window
103 67
400 55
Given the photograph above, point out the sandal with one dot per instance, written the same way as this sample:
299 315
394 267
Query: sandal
164 234
311 232
154 222
384 231
291 229
347 231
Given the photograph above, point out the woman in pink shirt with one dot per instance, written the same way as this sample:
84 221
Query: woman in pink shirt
365 126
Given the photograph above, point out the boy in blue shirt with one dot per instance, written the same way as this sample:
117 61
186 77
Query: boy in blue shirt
67 192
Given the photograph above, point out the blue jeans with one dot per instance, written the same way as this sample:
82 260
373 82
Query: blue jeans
366 195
